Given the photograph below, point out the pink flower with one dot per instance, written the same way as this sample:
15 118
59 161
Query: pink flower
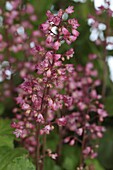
46 129
87 150
74 23
40 118
72 142
56 20
67 139
48 73
56 45
75 32
49 39
69 53
29 9
69 10
53 156
61 121
65 31
44 26
25 106
57 56
1 37
79 131
18 133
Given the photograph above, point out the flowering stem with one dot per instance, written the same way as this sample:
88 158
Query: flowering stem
60 142
38 134
43 152
44 137
83 146
60 139
82 165
38 147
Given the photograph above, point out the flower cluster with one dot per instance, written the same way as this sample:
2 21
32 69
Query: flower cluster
57 28
15 26
40 95
86 108
17 37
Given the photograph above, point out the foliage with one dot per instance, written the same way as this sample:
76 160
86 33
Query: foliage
20 163
7 155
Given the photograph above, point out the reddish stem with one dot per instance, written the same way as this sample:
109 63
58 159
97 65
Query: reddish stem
38 147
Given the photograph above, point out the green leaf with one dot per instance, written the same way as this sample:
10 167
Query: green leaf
105 155
94 163
71 157
5 128
50 164
21 163
7 155
52 140
6 141
56 167
6 133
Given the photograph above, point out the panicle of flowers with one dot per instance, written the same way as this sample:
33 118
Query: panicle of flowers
57 29
40 95
86 111
17 37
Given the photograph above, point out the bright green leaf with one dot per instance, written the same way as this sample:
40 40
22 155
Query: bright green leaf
6 133
5 127
7 155
21 163
6 141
